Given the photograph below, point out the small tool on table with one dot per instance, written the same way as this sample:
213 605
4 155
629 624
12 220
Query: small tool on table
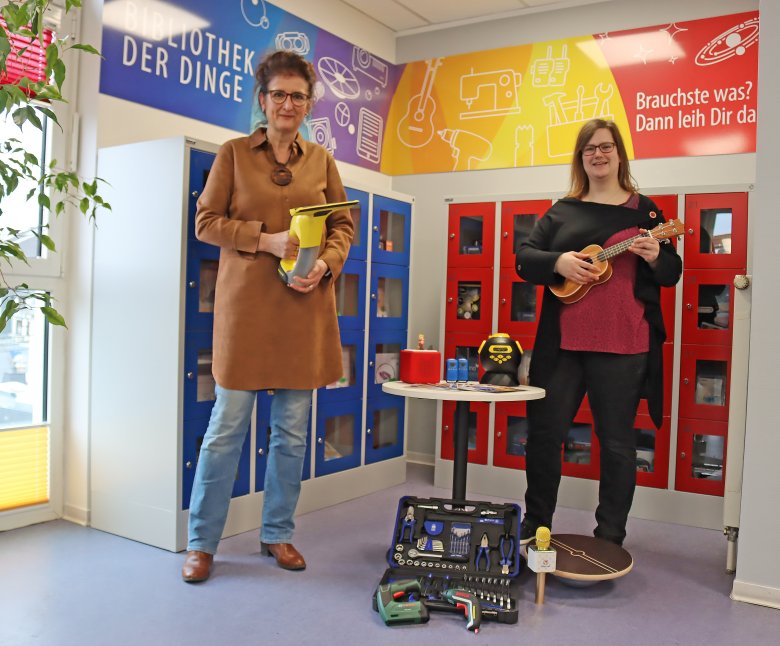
407 523
506 546
483 550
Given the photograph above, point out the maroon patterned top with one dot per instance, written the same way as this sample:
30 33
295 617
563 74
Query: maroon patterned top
609 318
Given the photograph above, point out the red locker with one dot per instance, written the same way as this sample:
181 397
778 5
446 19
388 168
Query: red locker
701 456
705 378
478 431
471 235
716 231
469 301
517 220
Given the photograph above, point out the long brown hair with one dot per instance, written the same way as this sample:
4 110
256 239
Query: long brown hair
580 184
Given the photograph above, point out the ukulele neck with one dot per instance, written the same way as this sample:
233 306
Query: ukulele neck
620 247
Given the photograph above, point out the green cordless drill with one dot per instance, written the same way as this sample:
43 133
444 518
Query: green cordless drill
468 602
395 605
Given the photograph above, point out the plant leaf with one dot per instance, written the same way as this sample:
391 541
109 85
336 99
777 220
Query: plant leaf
86 48
53 316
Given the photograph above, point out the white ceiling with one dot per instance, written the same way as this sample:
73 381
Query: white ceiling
414 16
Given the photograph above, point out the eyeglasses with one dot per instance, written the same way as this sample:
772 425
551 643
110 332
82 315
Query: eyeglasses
279 96
606 147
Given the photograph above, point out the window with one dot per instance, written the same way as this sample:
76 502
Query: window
24 433
17 211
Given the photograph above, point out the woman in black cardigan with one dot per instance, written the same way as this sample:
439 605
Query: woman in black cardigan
606 344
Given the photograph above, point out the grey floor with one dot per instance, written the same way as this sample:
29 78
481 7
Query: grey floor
62 584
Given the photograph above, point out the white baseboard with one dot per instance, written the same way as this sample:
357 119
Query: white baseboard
78 515
420 458
758 594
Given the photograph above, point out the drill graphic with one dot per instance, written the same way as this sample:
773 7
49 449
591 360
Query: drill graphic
467 148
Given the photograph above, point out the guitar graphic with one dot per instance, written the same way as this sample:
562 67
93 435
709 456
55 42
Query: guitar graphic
416 127
571 292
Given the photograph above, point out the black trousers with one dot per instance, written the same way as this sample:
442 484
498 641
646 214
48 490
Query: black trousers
613 383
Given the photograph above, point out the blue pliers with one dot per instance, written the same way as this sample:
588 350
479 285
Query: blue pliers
407 523
483 550
506 546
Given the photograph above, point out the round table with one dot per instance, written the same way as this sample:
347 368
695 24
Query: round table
462 395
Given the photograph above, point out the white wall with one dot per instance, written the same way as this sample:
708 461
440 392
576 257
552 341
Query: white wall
107 121
758 568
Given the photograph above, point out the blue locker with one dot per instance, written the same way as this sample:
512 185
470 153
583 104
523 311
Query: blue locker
199 395
351 385
194 430
390 231
389 302
351 295
384 428
202 264
338 436
200 165
384 359
262 438
359 248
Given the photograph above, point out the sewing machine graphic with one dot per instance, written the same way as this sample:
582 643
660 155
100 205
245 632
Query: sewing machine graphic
568 115
490 94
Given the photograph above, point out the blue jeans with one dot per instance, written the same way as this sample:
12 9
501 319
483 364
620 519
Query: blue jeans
218 461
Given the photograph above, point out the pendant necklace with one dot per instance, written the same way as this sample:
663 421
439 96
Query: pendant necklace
280 175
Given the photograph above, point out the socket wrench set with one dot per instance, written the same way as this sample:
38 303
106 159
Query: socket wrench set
464 545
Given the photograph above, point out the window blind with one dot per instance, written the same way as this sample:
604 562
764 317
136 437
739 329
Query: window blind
27 57
24 467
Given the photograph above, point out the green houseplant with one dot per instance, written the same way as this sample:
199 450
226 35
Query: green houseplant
31 99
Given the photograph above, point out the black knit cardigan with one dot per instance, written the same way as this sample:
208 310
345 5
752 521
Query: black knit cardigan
571 225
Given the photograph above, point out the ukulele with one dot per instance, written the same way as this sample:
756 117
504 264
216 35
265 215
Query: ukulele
416 128
571 292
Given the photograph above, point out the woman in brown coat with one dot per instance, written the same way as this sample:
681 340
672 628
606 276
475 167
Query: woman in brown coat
267 335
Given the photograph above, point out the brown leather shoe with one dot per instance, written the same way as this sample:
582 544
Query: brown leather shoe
285 554
197 566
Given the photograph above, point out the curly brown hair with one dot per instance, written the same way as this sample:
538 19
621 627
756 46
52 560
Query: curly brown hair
580 184
283 63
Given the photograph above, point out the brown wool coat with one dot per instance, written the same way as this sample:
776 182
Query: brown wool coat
267 335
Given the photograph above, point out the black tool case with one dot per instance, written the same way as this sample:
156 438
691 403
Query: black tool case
470 545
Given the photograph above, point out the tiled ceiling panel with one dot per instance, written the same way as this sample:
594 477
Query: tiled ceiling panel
402 15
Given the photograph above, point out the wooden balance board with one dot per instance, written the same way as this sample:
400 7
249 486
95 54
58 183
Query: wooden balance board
587 558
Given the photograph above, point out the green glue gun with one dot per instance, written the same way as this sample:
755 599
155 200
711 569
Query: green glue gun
395 605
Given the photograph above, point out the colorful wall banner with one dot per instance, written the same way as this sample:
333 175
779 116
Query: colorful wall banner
196 58
682 89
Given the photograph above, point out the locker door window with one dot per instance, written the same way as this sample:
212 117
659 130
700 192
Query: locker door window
339 437
390 297
385 427
208 285
711 382
206 386
348 294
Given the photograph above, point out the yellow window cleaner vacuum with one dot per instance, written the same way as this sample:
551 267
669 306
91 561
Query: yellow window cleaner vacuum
307 223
